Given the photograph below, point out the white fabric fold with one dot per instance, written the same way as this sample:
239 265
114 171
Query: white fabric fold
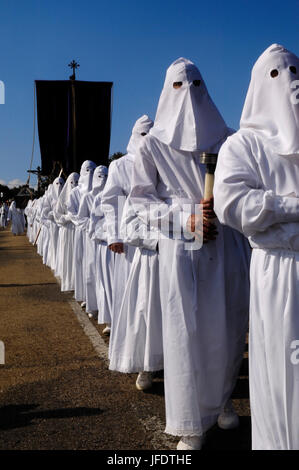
271 108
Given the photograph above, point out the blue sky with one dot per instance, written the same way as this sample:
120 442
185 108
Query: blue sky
130 43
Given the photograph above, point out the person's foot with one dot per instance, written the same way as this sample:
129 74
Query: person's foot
191 442
107 329
83 304
92 315
144 380
228 419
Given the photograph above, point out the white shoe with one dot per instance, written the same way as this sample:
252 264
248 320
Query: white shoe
107 329
144 380
83 304
92 315
191 442
228 419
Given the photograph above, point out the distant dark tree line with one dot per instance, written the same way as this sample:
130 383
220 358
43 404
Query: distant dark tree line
7 193
11 193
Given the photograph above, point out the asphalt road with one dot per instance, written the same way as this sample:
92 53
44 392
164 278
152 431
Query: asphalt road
56 391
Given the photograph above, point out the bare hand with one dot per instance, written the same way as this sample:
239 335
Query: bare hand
203 229
208 208
202 224
117 248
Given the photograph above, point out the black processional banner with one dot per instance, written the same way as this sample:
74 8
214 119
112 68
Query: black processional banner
74 123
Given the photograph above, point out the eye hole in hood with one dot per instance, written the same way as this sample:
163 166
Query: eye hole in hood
177 85
274 73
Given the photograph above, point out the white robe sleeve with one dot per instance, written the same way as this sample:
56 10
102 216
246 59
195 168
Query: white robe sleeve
92 223
155 213
133 231
46 212
60 214
83 215
97 229
32 210
26 211
240 199
73 207
112 198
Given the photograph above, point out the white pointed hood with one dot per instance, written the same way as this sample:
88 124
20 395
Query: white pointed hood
57 186
271 108
63 199
99 179
186 118
86 174
141 126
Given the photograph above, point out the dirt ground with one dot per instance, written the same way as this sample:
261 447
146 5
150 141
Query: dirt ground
56 393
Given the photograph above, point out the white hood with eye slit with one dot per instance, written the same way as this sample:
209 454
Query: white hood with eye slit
186 118
99 179
86 174
271 108
57 188
141 126
63 199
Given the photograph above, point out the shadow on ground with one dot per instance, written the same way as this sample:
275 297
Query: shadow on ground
17 416
235 439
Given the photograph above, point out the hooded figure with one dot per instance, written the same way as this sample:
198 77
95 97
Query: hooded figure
3 215
39 231
83 220
48 217
104 261
186 110
34 217
256 192
43 239
46 226
137 330
65 241
204 293
84 186
31 220
28 217
114 195
58 184
17 218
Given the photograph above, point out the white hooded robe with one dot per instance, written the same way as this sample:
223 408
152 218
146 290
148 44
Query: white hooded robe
256 192
138 326
65 242
98 183
84 186
204 293
3 215
104 262
113 199
16 215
